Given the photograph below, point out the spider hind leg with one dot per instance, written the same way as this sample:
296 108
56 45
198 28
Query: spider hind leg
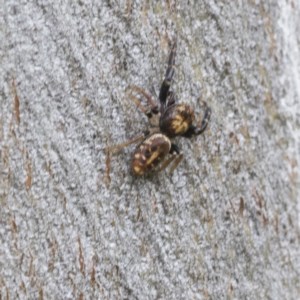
115 149
175 159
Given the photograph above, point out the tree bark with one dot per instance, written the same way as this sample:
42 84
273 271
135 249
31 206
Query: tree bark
224 225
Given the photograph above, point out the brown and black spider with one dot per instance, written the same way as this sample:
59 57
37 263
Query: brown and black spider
168 119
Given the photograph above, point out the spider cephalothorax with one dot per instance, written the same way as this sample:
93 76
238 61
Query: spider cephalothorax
168 119
176 120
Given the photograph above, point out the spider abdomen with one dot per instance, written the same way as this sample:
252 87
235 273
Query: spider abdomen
176 120
150 153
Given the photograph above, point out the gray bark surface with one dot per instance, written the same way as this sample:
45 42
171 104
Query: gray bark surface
224 225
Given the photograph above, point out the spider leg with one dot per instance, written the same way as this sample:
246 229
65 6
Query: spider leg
165 163
175 158
195 130
117 148
109 151
171 99
165 87
151 102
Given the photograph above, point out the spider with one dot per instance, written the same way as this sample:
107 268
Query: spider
168 119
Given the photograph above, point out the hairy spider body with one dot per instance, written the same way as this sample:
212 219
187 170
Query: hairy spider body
150 153
168 120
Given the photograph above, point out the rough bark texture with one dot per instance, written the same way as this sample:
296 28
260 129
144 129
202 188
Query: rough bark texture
225 225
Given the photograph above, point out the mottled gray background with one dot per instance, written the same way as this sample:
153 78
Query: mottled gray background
225 225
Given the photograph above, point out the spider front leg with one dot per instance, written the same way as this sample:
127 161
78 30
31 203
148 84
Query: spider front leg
165 87
196 130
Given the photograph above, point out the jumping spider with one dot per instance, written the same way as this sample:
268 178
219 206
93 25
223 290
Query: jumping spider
168 119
